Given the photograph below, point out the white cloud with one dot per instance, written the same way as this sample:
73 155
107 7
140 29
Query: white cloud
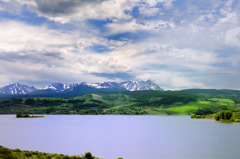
134 26
227 7
142 60
148 12
19 37
177 51
19 71
233 37
229 18
82 43
40 53
183 83
152 3
170 80
3 80
234 60
153 53
64 11
1 8
173 45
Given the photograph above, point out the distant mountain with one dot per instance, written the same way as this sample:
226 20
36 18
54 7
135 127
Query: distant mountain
128 85
84 88
17 88
111 87
59 87
103 85
66 90
142 85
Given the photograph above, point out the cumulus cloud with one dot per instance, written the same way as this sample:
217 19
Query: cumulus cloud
64 11
29 53
152 3
148 11
177 46
18 37
233 37
135 26
1 8
40 53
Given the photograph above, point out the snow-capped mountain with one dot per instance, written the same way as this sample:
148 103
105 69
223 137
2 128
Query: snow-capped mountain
142 85
17 88
81 88
103 85
128 85
59 87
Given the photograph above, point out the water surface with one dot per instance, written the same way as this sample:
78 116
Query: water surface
130 137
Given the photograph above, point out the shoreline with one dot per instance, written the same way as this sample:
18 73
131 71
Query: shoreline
17 153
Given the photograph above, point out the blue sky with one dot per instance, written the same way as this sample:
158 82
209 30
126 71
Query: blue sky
178 44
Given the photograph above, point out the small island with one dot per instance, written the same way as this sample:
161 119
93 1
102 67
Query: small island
28 116
225 116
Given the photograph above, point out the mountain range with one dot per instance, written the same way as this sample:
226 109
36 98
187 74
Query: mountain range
17 88
66 89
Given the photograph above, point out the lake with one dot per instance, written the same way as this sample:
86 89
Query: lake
130 137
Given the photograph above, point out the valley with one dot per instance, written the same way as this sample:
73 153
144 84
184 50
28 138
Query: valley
146 102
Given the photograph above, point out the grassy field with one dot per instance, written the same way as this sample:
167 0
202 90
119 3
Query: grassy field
182 110
222 100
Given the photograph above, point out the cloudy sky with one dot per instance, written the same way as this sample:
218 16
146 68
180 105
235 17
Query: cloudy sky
177 44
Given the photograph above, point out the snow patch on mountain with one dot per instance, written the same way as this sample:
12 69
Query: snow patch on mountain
17 88
128 85
140 85
103 85
59 87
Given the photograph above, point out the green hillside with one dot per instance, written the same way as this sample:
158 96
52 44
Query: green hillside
138 102
6 153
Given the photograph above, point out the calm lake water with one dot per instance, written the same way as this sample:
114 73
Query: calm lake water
130 137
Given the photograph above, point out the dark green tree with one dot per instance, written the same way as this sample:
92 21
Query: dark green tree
88 155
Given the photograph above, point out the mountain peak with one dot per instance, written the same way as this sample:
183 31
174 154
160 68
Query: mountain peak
59 87
17 88
140 85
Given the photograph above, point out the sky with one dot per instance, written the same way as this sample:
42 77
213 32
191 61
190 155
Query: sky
178 44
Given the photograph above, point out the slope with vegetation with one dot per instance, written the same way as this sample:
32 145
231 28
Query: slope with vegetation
6 153
228 116
200 102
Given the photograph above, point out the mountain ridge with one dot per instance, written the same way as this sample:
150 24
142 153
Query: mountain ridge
128 85
17 88
84 87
